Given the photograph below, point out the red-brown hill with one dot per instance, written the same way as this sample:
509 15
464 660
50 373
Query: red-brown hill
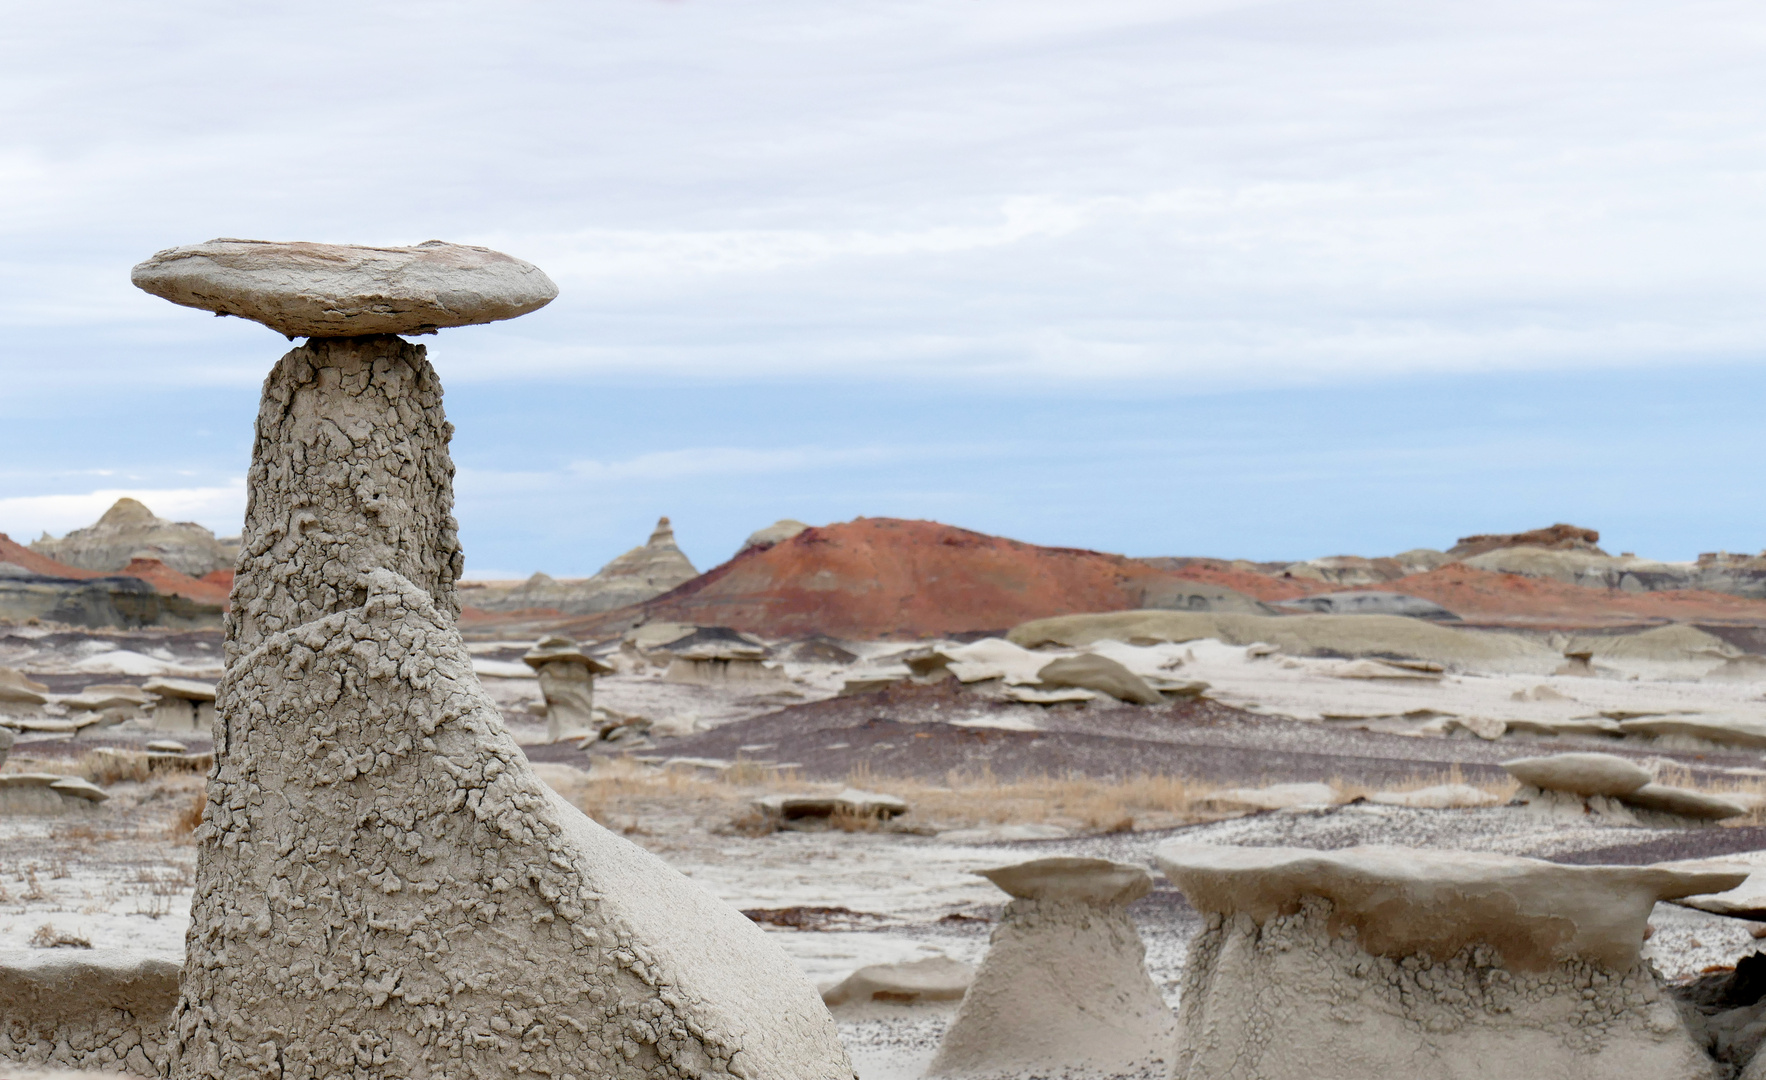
165 580
1484 596
19 555
888 578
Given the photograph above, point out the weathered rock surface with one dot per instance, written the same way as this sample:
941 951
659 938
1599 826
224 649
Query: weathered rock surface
1090 671
852 802
912 982
1556 537
128 531
1580 774
382 881
1277 796
101 1009
183 705
1684 802
345 290
1367 962
1722 730
1437 797
17 688
1063 989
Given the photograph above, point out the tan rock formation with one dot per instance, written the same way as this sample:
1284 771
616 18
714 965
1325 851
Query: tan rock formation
129 530
383 884
776 533
1364 962
1063 990
567 682
1557 537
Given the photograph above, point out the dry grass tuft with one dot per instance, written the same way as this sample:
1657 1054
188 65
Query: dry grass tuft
48 937
185 823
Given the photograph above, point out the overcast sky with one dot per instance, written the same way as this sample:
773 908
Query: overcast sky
1272 280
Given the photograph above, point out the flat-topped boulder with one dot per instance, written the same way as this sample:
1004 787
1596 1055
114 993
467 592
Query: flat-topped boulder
1063 990
1341 965
1580 774
1405 900
344 290
911 982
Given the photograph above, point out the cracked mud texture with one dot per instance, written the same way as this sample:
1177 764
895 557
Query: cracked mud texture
92 1010
384 889
1296 999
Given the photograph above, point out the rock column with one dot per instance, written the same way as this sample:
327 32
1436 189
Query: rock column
384 889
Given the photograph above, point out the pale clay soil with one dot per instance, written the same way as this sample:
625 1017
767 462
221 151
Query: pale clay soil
120 876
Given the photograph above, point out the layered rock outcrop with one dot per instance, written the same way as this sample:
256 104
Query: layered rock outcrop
129 530
640 574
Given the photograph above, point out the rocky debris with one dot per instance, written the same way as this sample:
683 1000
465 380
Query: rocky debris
1089 671
567 682
1377 636
47 794
129 531
1580 774
1555 538
17 688
183 705
1370 603
1437 797
817 807
638 575
776 533
557 947
1064 988
1276 797
911 982
336 290
101 1009
1406 962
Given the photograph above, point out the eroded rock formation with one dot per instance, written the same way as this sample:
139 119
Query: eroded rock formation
129 530
1403 963
384 888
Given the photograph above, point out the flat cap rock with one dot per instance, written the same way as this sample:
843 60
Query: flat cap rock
1403 901
1580 774
1071 878
343 290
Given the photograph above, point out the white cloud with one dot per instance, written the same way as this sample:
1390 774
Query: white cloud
221 509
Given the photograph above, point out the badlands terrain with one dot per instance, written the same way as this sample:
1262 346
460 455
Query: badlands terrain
836 728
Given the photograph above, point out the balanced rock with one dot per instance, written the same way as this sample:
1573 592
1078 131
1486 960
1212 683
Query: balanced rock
183 705
365 790
1063 989
1580 774
336 290
1362 962
101 1010
567 682
1089 671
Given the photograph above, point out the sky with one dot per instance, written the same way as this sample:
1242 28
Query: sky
1198 277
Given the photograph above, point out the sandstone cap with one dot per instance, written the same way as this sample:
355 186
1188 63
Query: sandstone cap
344 290
1092 881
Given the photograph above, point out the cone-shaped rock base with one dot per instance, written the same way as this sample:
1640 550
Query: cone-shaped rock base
384 889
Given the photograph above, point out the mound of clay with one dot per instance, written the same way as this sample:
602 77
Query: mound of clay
129 530
1557 538
886 578
1580 774
1063 989
1298 635
1093 672
1371 962
383 884
102 1009
912 982
336 290
1370 603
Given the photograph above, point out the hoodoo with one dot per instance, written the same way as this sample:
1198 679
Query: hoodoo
383 886
1340 965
